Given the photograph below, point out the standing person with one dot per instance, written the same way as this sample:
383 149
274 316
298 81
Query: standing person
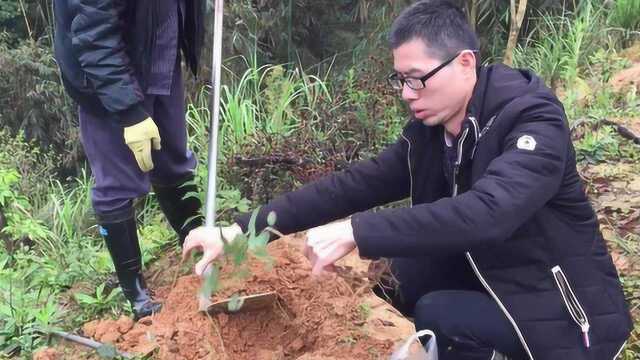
500 253
121 61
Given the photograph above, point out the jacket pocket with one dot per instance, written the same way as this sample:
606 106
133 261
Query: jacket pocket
572 304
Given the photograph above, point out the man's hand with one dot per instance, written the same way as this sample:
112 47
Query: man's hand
140 138
327 244
209 241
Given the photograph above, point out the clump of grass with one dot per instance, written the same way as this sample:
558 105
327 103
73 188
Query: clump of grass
560 45
625 15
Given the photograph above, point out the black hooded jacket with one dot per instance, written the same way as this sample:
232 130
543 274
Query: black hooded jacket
517 211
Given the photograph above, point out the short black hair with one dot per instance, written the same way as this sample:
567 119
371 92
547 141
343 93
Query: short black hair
440 24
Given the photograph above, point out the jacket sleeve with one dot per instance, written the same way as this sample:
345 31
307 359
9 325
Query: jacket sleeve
362 186
97 42
515 185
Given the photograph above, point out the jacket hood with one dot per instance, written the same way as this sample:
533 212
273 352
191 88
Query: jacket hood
497 86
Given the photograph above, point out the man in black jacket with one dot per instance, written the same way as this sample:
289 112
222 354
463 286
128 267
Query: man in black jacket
500 251
120 60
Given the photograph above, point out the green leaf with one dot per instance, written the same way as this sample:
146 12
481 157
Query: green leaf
99 291
259 241
271 218
240 255
243 205
252 222
191 194
210 283
237 250
112 295
107 351
235 303
85 299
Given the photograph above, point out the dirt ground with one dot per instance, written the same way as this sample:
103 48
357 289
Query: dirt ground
333 317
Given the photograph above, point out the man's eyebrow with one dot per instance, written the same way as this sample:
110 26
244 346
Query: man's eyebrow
411 72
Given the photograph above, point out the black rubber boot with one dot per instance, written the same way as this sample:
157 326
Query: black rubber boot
122 241
181 206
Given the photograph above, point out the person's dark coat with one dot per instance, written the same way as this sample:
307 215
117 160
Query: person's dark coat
103 49
521 216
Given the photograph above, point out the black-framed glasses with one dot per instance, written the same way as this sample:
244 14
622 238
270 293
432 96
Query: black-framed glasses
397 82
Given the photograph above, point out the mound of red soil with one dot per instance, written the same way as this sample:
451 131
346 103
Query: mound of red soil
333 317
626 79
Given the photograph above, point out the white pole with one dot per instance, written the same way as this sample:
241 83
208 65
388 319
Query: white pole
210 206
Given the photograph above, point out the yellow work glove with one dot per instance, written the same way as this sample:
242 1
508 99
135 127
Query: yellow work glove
140 138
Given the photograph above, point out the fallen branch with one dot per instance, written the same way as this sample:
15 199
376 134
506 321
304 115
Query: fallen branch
270 160
623 131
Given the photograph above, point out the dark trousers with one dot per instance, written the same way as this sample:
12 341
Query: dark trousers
443 295
118 179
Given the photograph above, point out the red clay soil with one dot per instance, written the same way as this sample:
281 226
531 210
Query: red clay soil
315 318
46 354
626 79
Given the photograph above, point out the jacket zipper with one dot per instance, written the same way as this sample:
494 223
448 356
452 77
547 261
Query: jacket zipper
476 133
487 127
620 350
470 258
500 304
409 167
573 305
456 167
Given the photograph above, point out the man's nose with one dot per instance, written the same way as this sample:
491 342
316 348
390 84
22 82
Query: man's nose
408 93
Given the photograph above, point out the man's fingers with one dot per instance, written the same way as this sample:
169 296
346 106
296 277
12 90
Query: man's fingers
156 142
146 154
310 254
139 159
319 243
318 268
143 157
305 251
202 265
313 239
323 249
188 246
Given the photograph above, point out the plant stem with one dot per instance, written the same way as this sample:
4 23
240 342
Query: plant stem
26 20
215 327
177 272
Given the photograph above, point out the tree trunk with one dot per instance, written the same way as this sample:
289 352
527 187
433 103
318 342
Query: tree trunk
473 13
514 29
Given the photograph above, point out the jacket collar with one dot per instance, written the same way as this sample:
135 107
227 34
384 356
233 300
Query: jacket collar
496 86
417 133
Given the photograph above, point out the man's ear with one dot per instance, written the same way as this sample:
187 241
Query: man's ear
467 60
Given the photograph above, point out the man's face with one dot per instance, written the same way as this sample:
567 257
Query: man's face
445 94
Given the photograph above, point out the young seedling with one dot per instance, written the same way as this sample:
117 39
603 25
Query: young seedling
238 251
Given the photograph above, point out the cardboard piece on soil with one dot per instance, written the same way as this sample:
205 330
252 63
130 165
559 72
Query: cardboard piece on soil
248 303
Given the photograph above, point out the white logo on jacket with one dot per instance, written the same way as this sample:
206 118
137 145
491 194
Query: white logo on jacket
526 142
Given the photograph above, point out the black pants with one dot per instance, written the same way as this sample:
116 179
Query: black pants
443 295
